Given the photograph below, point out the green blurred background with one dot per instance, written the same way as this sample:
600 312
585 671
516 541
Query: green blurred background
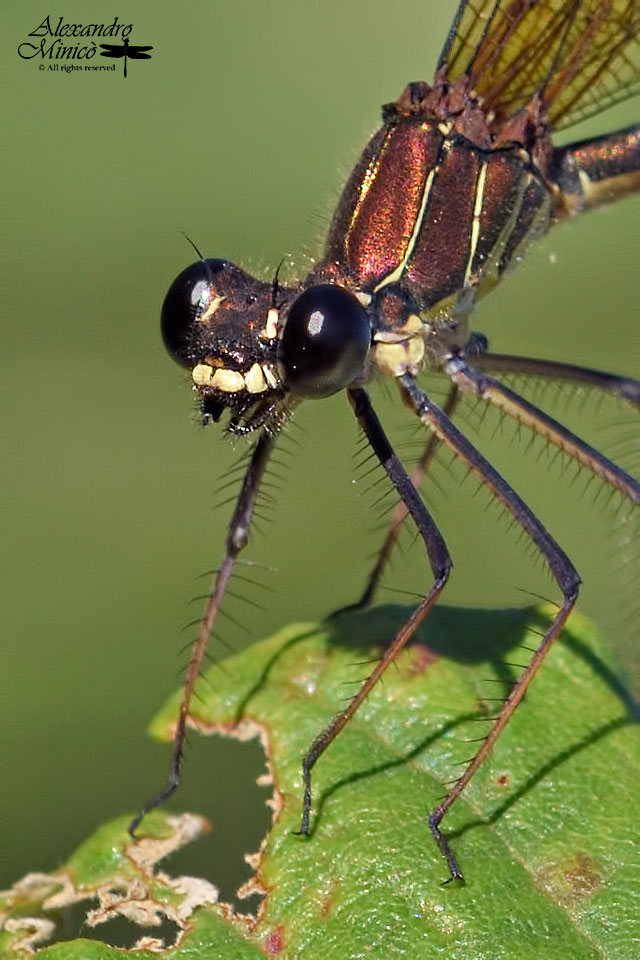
239 131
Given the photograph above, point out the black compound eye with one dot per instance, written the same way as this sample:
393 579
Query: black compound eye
325 341
187 299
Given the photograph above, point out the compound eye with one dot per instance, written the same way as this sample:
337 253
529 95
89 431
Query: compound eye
187 300
325 341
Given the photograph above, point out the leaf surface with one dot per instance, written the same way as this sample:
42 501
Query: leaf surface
545 832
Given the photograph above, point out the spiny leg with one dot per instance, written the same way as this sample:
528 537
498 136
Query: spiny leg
511 403
400 514
440 563
560 565
237 536
626 388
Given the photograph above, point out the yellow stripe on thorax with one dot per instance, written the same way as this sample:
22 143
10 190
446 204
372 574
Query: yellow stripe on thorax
481 180
396 274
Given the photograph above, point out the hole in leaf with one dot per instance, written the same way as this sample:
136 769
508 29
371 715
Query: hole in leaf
220 782
70 924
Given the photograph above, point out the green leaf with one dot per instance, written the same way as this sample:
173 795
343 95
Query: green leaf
544 833
120 880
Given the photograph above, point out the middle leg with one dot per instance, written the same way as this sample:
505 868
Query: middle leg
440 563
561 567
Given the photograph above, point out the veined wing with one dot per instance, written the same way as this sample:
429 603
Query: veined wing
580 55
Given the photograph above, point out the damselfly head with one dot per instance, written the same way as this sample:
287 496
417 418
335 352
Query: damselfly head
248 344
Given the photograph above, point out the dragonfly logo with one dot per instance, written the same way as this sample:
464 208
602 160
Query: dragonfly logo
126 51
64 41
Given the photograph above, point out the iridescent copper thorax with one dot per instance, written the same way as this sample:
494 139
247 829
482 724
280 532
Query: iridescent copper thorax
437 207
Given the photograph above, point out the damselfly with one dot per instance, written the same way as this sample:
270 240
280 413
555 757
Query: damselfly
460 178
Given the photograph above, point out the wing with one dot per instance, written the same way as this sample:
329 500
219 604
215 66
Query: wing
112 50
580 55
136 53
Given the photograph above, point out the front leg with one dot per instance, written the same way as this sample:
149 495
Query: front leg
237 537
